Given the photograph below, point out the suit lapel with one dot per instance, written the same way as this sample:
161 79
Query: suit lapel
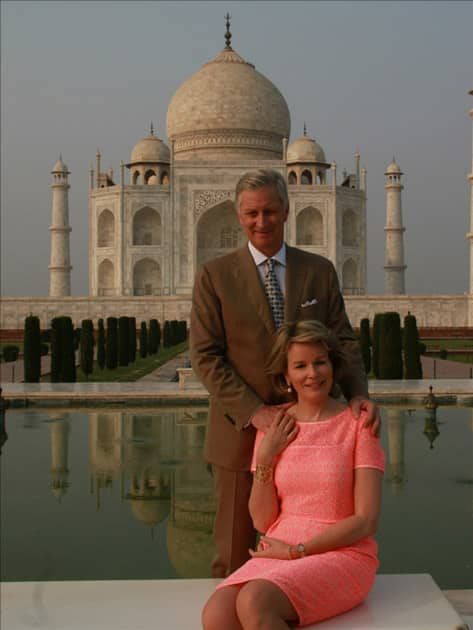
250 286
295 281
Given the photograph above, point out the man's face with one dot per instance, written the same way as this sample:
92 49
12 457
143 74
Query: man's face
262 216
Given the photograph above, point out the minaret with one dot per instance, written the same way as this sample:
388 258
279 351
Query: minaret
394 268
60 267
470 233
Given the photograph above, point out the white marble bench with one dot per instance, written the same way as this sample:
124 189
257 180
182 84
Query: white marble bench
397 602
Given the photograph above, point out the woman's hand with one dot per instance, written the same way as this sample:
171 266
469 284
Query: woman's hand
281 432
271 548
264 416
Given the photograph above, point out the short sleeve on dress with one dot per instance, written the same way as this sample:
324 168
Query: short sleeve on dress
368 450
259 437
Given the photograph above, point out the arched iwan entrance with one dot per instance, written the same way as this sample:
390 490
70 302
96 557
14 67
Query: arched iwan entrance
218 232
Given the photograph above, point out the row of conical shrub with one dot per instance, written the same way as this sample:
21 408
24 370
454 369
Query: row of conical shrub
388 351
115 346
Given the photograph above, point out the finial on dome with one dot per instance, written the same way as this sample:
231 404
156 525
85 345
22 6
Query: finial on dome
60 156
305 129
228 35
151 129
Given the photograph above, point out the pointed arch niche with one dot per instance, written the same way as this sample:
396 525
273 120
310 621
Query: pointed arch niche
146 227
350 229
350 277
106 278
309 227
106 229
218 232
146 277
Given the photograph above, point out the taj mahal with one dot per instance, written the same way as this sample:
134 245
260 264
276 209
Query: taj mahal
171 209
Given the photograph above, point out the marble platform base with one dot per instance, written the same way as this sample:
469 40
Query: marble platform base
407 602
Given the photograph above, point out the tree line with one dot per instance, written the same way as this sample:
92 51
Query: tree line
117 342
389 351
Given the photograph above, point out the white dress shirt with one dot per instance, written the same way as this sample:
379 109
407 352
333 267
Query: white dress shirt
279 269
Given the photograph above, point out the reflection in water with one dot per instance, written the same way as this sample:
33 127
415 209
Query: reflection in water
431 430
3 425
156 521
157 460
59 428
396 430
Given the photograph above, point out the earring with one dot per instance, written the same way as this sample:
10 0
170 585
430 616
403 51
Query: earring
289 388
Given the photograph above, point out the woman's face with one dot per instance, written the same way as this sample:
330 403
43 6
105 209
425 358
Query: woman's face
309 371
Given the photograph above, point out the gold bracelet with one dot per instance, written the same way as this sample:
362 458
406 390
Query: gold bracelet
263 474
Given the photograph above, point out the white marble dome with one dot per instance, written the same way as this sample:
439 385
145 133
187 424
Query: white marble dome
305 149
150 149
228 109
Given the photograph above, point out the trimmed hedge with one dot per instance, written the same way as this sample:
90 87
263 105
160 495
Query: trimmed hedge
63 364
111 345
32 350
412 348
132 338
375 344
390 347
101 345
365 343
123 341
143 340
87 347
153 339
10 353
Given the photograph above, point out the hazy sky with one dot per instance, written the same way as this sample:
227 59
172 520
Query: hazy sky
386 78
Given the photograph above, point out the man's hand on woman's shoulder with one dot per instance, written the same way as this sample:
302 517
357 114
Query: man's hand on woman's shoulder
373 418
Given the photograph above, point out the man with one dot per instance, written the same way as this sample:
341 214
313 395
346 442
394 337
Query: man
232 323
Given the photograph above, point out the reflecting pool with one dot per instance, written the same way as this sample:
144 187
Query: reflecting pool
125 494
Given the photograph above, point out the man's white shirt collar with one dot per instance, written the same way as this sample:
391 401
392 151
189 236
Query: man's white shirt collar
260 258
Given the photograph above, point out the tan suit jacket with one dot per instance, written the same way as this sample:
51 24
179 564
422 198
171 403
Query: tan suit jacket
231 335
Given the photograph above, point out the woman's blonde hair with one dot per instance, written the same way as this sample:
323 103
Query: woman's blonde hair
305 331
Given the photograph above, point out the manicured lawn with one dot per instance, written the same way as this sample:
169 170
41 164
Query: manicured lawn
131 372
454 344
437 345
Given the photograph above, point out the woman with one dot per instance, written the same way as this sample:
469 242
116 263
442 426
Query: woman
316 493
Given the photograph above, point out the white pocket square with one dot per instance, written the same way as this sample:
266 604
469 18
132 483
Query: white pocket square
309 303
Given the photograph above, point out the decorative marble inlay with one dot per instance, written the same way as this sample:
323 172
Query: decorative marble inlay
204 199
225 138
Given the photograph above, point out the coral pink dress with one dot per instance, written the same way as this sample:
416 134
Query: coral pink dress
314 480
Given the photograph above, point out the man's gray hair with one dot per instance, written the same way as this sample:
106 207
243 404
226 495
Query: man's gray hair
254 180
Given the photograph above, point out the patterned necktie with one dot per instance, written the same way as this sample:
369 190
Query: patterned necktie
274 293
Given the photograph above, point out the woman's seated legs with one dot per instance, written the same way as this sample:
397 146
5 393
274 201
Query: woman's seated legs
220 610
261 605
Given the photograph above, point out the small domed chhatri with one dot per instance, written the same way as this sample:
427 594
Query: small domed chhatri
305 149
306 161
228 109
150 149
